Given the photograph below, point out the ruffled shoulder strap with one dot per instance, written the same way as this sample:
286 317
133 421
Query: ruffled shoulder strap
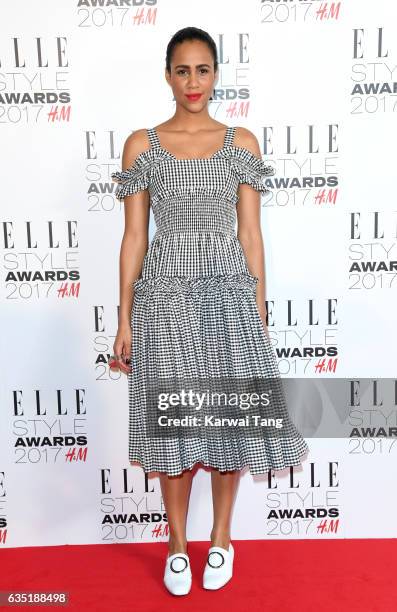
153 138
229 136
250 169
137 177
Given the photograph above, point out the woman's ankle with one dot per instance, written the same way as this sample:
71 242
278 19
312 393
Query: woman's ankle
176 546
220 538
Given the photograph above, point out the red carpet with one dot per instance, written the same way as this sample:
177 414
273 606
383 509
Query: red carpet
282 576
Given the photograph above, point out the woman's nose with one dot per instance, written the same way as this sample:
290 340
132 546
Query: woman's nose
192 80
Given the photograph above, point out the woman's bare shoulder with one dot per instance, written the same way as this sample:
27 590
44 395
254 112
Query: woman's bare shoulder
135 144
243 137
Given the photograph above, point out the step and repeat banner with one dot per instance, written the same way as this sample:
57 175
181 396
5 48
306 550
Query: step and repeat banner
317 84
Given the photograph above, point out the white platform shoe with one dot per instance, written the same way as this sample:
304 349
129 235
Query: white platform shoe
219 567
178 574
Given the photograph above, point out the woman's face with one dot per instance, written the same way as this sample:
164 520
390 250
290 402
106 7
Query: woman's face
192 72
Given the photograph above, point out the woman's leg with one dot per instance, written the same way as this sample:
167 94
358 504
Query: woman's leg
224 486
176 492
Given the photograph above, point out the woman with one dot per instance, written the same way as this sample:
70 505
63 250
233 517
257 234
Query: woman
198 300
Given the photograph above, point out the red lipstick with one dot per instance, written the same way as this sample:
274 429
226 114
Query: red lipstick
194 97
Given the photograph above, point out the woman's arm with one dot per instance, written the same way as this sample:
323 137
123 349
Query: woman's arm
249 231
133 248
134 243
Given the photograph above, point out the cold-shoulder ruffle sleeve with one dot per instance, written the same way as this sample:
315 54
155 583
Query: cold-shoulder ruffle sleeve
134 179
251 169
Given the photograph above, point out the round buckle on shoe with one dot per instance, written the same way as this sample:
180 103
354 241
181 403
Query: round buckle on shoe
181 570
215 552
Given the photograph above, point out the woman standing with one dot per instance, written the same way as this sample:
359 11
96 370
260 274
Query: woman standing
197 309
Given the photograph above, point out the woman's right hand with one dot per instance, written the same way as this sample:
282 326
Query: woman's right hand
122 348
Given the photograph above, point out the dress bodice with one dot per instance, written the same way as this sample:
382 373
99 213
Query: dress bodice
196 194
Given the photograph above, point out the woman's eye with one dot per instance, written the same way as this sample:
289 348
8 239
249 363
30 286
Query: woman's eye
182 71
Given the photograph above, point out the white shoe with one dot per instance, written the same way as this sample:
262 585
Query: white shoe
219 567
177 574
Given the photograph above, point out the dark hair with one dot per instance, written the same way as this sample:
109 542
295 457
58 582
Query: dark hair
190 33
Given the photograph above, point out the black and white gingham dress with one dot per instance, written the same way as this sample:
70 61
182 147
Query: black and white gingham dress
194 310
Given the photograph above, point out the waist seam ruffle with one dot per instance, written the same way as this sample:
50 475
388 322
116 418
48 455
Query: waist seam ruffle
240 281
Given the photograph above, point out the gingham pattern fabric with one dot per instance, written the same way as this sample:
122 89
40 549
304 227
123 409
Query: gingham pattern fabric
194 310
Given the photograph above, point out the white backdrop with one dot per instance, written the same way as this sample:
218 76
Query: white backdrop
316 82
